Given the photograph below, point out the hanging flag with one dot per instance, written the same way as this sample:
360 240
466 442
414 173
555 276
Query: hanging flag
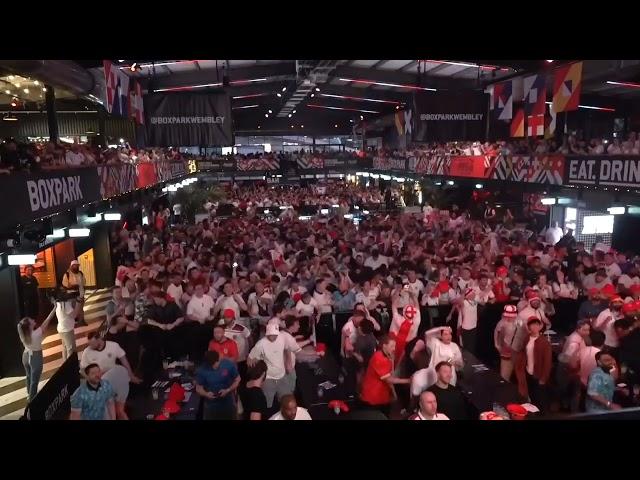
489 90
535 94
550 123
517 87
136 105
517 124
567 85
117 89
503 100
535 125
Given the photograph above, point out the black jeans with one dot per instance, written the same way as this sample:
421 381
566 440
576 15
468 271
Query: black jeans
469 340
539 394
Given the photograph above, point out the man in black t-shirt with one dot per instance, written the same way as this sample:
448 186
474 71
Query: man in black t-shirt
30 293
451 402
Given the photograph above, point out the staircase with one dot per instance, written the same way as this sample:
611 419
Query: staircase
13 392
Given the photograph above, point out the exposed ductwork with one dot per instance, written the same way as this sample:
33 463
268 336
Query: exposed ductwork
63 74
311 73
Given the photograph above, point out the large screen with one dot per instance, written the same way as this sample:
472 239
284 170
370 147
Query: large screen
597 224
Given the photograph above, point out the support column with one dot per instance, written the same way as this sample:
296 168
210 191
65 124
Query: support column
52 119
102 120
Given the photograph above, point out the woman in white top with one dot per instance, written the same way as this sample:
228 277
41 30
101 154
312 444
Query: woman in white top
443 349
31 338
561 288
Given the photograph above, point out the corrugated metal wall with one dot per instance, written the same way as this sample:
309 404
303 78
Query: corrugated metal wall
69 124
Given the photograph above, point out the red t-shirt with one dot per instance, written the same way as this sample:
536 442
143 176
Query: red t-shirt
498 290
375 391
226 349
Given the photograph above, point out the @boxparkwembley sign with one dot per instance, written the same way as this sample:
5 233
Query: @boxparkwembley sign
620 171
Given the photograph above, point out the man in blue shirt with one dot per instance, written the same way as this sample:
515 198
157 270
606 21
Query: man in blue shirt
601 385
217 381
94 399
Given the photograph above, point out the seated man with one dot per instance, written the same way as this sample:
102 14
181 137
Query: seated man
428 408
289 410
449 398
94 399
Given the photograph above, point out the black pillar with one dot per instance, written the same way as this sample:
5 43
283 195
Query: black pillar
10 346
52 119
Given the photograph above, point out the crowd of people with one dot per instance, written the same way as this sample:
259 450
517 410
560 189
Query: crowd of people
248 296
16 156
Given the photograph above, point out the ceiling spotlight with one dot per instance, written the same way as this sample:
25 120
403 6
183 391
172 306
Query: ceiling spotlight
284 89
351 120
317 89
17 85
293 111
279 94
291 126
120 61
26 90
289 115
549 61
361 117
266 115
336 125
36 82
11 77
301 126
14 104
313 95
44 89
8 92
270 111
259 127
122 140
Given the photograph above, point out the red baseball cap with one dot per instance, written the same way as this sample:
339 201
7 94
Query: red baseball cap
229 312
502 270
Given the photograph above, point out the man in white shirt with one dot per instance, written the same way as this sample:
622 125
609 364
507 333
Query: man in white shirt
74 157
289 410
104 354
376 260
428 408
484 292
612 268
306 306
422 380
468 320
175 289
415 285
553 234
66 314
260 301
200 306
569 365
229 300
605 320
271 348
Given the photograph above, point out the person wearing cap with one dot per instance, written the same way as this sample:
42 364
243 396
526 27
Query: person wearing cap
504 336
533 309
592 306
604 321
568 370
271 348
428 409
500 288
602 384
240 334
217 379
533 365
73 282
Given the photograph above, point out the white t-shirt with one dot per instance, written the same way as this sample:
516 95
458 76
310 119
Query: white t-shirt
66 317
36 341
225 302
423 379
416 287
273 354
530 357
200 308
301 414
587 363
305 310
469 317
553 235
606 326
176 293
613 270
627 281
105 358
74 159
323 301
376 263
483 296
437 416
348 331
133 245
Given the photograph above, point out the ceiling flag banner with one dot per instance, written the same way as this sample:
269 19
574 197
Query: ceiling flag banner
535 125
503 100
188 119
517 124
567 85
535 94
117 89
136 105
447 116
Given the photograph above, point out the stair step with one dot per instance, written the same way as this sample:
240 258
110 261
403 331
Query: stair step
54 339
16 400
53 353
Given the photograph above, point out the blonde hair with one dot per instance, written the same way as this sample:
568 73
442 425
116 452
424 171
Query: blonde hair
24 331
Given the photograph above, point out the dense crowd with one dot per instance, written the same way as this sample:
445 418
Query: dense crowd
248 296
21 156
